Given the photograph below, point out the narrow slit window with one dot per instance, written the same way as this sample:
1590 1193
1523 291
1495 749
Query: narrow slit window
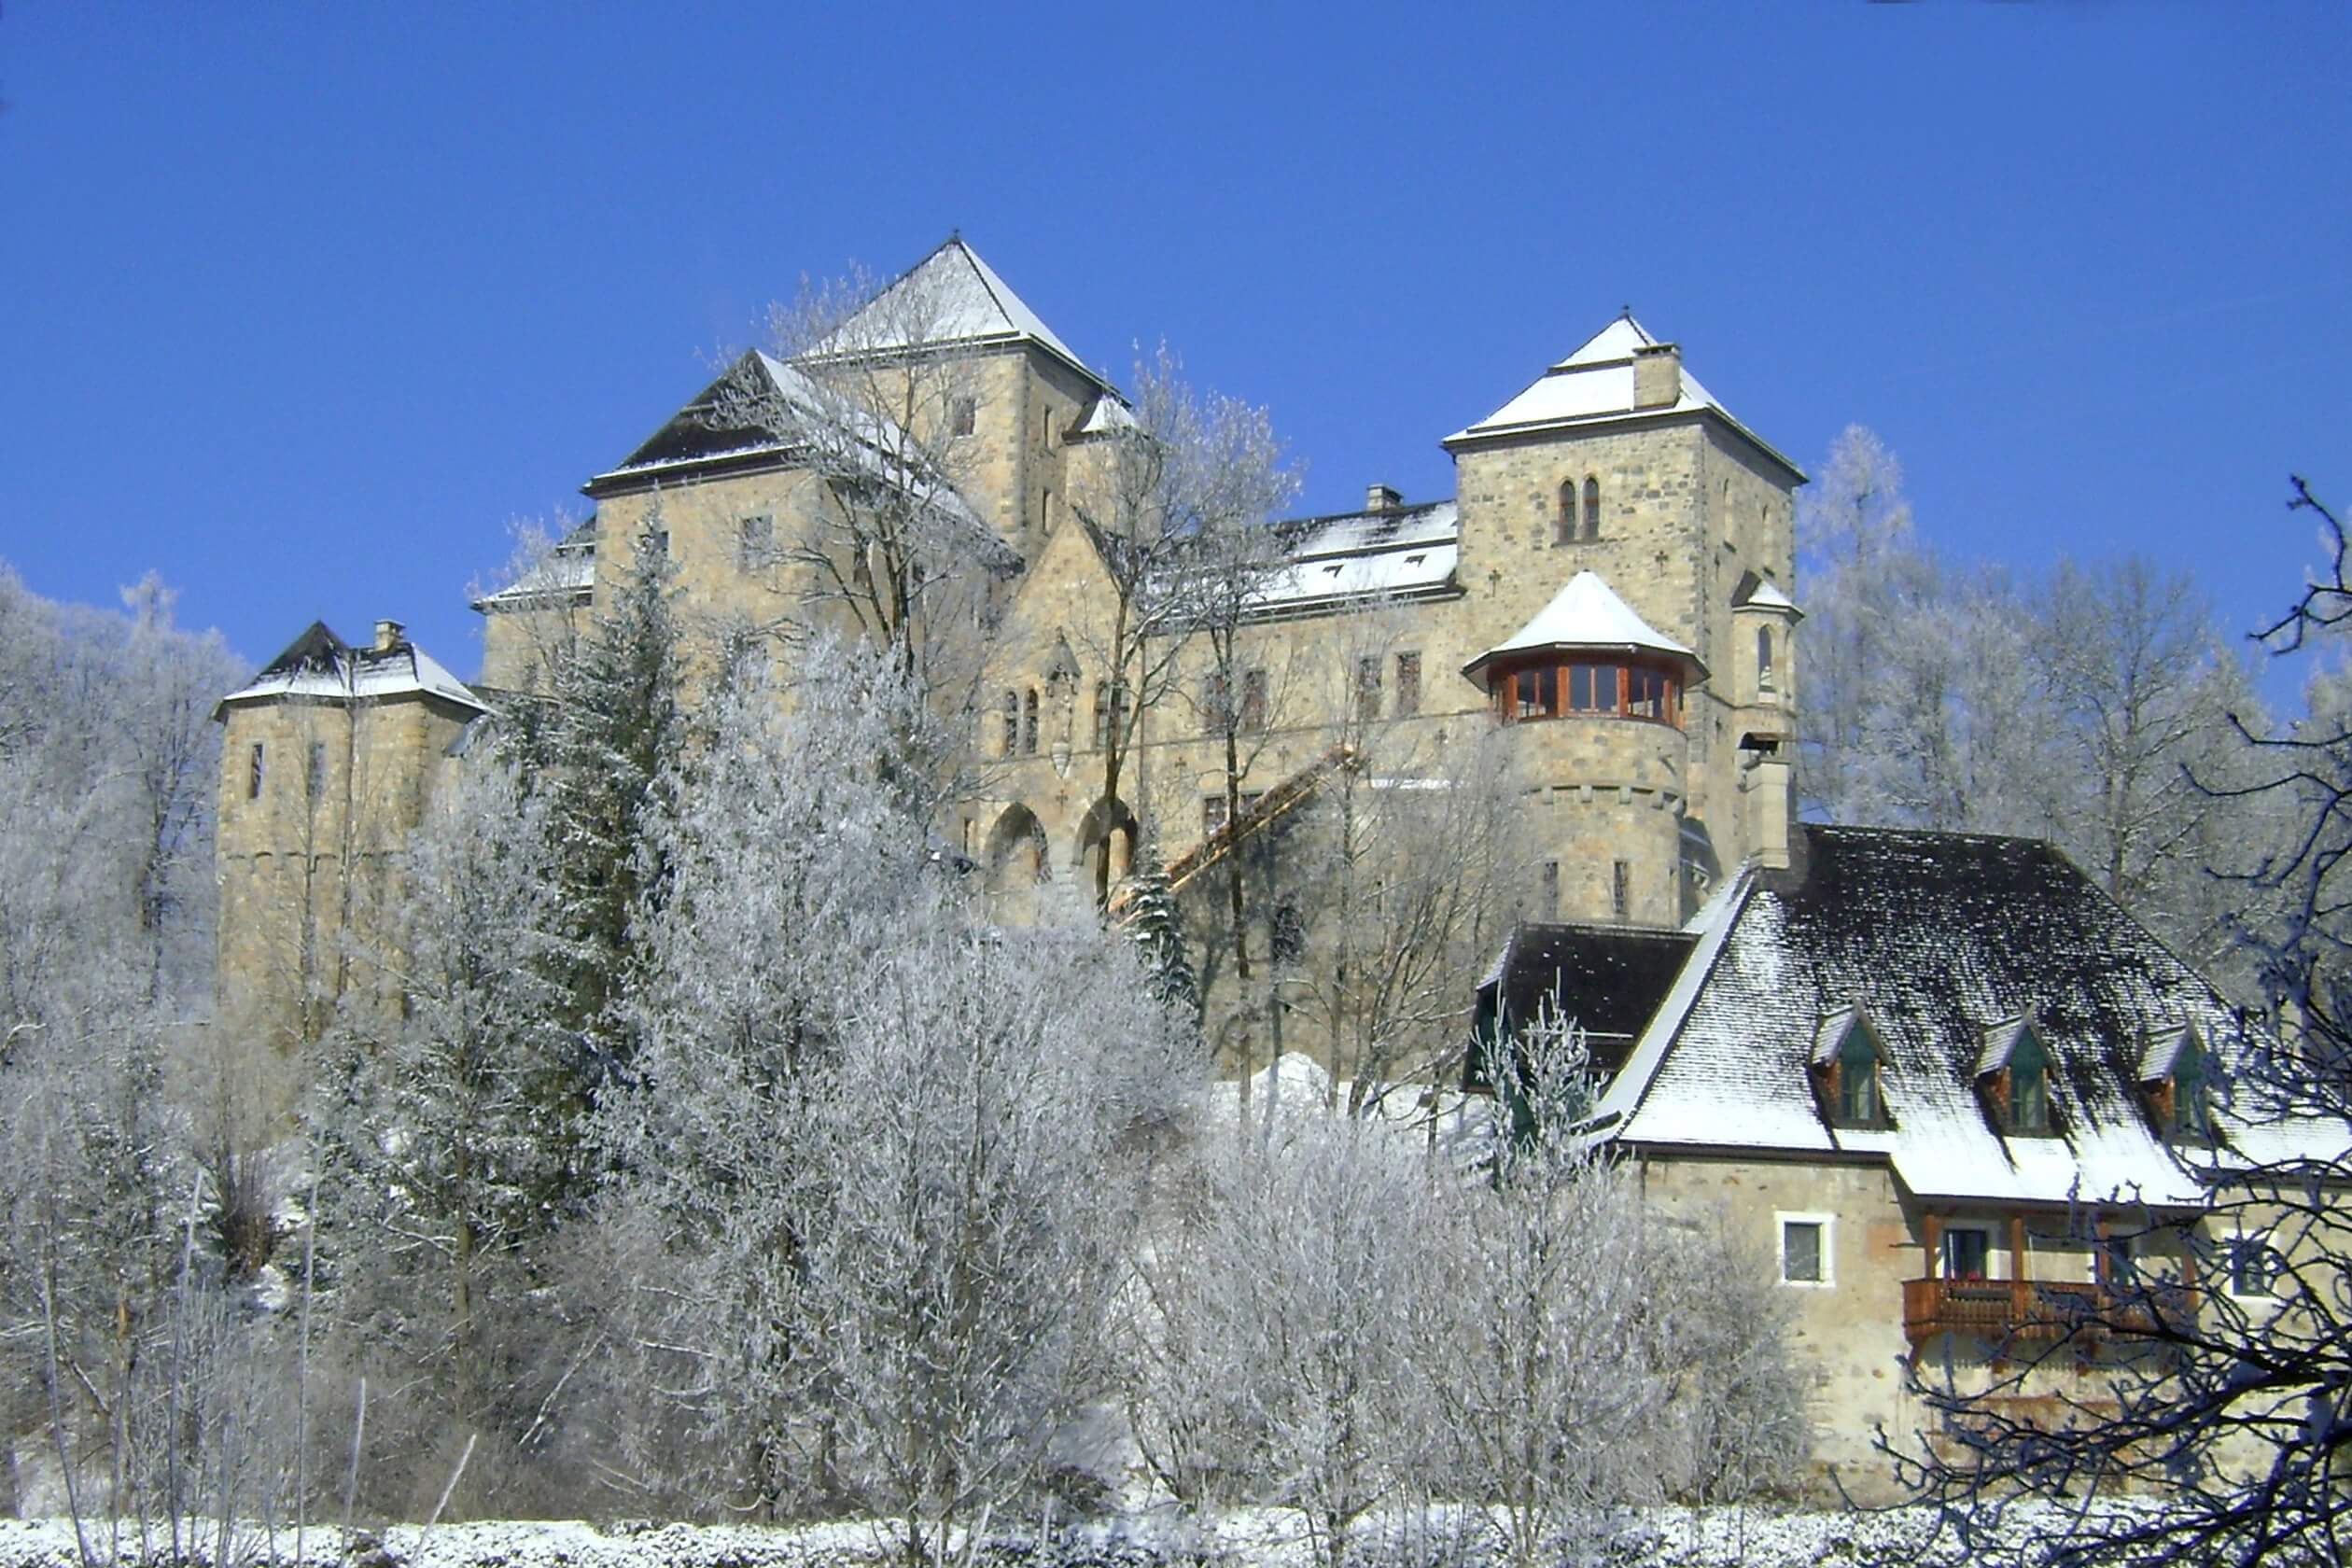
1408 684
1028 723
1621 889
314 777
1764 658
1591 508
253 773
1564 522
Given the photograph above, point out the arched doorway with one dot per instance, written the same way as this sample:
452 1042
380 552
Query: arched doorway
1015 859
1109 832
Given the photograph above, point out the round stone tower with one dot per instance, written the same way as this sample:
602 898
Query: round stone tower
1593 697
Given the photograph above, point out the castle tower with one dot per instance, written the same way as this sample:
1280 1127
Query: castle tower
328 759
1618 463
1595 696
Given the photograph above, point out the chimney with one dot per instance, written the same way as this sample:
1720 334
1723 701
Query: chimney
1772 788
1380 497
1656 376
387 636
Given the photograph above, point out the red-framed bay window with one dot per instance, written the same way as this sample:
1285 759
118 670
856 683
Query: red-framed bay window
1569 686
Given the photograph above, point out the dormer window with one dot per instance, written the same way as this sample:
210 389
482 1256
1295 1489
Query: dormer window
1858 1097
2013 1072
2176 1075
1846 1059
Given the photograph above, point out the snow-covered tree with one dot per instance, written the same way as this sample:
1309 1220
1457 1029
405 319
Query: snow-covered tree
874 1170
450 1131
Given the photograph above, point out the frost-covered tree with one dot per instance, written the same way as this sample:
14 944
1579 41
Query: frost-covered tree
1154 924
873 1174
1184 493
450 1130
1292 1324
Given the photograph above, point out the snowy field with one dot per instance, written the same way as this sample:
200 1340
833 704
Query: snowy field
1666 1539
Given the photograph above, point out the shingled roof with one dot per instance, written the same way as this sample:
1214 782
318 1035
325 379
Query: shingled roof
1933 939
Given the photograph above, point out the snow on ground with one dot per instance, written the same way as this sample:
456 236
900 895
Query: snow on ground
1661 1538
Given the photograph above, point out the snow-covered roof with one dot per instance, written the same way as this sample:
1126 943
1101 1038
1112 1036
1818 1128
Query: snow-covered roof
950 296
1587 613
1946 946
1595 383
2163 1053
763 407
1761 592
1402 553
2000 1043
566 574
320 663
1109 412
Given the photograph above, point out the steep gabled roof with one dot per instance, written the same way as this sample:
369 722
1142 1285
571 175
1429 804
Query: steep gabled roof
949 298
320 664
1587 613
1947 943
1594 385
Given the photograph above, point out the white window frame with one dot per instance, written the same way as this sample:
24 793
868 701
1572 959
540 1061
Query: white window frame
1781 1220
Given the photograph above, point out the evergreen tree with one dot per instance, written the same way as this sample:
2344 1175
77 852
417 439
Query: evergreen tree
1154 924
617 742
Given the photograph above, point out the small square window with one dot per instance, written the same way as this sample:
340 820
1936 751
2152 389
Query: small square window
1804 1249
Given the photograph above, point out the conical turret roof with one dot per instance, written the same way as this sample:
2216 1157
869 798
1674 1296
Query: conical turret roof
1586 614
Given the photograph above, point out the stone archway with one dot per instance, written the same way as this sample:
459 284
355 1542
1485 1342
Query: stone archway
1109 830
1017 862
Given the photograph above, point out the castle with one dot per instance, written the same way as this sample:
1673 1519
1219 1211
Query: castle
1611 581
1952 1086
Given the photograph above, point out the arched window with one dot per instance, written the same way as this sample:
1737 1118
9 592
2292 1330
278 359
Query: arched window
1012 724
1028 723
1564 524
1764 658
1591 508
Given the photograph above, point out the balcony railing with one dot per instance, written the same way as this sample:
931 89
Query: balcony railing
2034 1308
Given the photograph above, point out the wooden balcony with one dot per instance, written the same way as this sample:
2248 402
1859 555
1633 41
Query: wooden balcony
2000 1309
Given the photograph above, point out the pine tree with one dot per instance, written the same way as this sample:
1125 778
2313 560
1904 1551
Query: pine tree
1154 924
619 735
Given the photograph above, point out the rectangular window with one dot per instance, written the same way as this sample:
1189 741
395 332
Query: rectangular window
1212 702
2253 1267
1593 687
755 543
1367 688
1645 694
961 415
314 778
1621 889
1212 814
1968 1253
2113 1262
1551 904
1538 692
1253 701
1110 713
253 773
1028 723
1045 511
1407 685
1804 1249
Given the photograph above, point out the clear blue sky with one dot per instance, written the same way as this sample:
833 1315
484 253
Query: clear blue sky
299 304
